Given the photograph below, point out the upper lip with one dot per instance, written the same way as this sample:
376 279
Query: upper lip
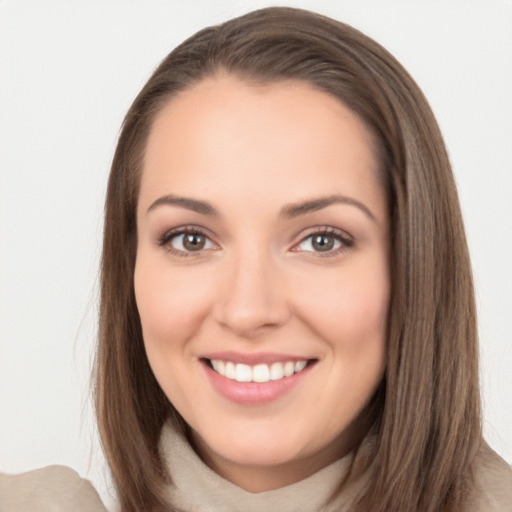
253 359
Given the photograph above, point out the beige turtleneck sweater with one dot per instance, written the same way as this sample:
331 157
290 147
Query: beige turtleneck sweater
199 489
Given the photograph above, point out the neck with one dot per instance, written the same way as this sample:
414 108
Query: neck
257 478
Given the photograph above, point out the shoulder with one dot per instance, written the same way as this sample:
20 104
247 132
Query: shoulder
493 482
49 489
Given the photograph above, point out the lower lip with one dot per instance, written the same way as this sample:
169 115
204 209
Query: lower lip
254 393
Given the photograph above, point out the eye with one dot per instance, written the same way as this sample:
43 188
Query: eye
184 242
326 242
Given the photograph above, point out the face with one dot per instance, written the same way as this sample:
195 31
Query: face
262 277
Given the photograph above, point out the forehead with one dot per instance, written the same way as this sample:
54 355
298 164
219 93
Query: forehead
225 134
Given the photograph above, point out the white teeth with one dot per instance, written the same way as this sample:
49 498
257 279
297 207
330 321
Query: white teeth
257 373
300 365
260 373
229 370
289 368
243 373
276 371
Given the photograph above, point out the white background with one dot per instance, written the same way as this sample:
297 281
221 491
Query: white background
69 71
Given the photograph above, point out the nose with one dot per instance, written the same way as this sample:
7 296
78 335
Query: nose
252 296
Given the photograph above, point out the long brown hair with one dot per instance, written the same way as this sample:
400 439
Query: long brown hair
427 425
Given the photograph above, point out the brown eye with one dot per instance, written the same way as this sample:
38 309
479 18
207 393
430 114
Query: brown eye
322 243
325 243
188 242
194 241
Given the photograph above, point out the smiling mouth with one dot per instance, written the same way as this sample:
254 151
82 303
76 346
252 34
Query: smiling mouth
259 373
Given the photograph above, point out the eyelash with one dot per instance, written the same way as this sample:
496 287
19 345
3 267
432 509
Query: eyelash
343 238
165 239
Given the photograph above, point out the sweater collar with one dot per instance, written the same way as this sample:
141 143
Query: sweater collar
197 488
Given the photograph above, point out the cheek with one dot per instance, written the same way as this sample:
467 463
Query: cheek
346 308
350 309
170 304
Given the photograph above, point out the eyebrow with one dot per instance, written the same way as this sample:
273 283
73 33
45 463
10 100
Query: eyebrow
195 205
289 211
313 205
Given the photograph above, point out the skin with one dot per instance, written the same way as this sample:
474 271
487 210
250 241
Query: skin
258 284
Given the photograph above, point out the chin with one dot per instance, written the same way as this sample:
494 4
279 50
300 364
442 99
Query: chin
263 447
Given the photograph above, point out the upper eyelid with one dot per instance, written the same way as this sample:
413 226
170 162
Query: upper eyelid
170 233
324 230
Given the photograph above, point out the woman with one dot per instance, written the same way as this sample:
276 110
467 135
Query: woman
287 314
